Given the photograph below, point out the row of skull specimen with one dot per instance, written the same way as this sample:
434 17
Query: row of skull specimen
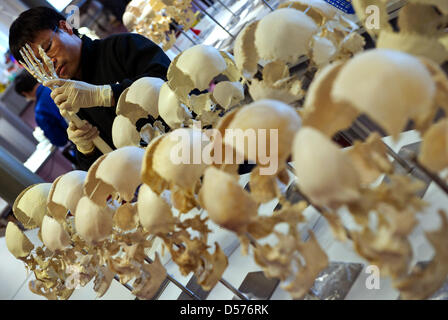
102 222
154 18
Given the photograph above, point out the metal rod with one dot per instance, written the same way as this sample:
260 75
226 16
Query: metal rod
123 284
227 8
178 28
233 289
358 123
413 159
267 5
223 281
177 283
214 20
434 177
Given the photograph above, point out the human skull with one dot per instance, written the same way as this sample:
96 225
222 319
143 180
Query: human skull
320 111
115 172
391 87
17 242
182 169
226 202
154 212
324 172
65 193
264 115
284 34
140 99
172 111
92 222
201 63
227 94
30 206
53 234
124 133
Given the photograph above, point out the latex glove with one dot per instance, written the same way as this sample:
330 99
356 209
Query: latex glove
71 95
82 137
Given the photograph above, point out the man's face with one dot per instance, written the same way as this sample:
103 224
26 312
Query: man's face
63 47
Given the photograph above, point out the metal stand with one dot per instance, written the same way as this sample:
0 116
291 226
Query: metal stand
413 159
214 20
227 8
229 286
178 284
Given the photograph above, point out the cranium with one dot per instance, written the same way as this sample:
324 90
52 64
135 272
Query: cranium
319 10
275 31
172 111
253 118
201 63
140 99
434 148
277 41
124 133
421 28
65 193
320 111
115 172
391 87
30 206
92 222
154 212
180 168
17 242
227 94
226 202
324 172
195 68
53 234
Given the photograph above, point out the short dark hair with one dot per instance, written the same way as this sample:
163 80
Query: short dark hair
24 29
24 82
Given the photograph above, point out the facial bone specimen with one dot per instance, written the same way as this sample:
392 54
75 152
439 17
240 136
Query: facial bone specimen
53 234
65 193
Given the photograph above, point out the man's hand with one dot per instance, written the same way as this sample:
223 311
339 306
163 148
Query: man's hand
83 136
71 95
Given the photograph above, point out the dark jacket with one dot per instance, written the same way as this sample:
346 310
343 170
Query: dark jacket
117 60
49 119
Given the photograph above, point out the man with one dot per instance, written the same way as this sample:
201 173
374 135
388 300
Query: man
46 112
100 70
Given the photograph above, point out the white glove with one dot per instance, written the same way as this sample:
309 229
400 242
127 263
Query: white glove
83 136
71 95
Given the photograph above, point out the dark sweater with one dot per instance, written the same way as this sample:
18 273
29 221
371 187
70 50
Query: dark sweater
117 60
